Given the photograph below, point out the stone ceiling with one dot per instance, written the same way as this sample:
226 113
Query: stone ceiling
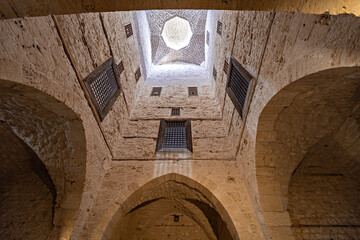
193 53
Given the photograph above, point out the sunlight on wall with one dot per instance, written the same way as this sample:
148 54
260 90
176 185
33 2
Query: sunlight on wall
162 167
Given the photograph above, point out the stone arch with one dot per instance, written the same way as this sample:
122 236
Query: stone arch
56 135
297 118
27 193
159 212
184 191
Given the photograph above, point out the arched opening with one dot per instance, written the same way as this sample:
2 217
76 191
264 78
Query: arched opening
171 207
308 146
27 193
50 140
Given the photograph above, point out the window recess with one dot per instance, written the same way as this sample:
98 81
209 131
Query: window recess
103 87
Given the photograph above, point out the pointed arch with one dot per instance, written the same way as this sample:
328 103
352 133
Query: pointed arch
56 134
297 118
184 192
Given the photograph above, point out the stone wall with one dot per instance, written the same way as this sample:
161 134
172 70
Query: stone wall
54 54
27 194
323 192
130 183
132 123
297 45
156 218
70 47
311 109
38 71
55 139
165 228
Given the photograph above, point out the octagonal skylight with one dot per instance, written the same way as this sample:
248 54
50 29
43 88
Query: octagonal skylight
184 58
177 33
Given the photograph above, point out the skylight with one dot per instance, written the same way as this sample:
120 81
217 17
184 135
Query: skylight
172 43
177 33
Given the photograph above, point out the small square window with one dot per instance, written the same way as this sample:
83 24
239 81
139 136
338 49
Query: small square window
156 91
174 136
193 91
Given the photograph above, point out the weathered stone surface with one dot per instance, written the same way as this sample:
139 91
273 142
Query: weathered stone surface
27 193
219 178
250 39
38 60
255 167
203 106
75 44
316 41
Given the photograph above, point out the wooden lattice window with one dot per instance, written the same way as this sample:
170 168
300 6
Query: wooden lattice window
128 30
174 136
104 87
238 85
219 28
137 74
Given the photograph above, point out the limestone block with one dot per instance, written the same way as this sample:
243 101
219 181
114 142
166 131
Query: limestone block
95 37
252 30
280 233
75 44
271 203
207 129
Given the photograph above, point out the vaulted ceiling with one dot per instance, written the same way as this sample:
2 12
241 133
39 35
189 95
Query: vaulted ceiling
56 53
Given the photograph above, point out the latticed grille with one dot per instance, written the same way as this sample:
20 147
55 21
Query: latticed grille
103 87
175 112
175 135
137 74
128 30
120 67
238 86
219 27
226 66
